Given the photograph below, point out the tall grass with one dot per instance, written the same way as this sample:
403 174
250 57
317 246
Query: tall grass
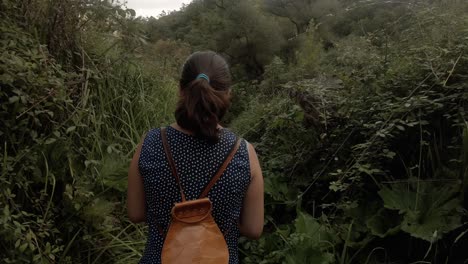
122 107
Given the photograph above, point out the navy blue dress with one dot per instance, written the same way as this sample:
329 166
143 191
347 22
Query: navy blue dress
197 161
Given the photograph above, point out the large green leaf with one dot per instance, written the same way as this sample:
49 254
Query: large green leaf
311 241
315 232
398 199
384 223
428 210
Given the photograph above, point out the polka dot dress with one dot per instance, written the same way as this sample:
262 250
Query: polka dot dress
196 161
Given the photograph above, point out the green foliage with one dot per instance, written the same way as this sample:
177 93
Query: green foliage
68 130
358 114
301 12
428 211
34 99
308 54
310 242
225 28
389 120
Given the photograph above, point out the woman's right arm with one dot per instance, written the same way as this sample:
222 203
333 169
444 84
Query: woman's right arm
252 214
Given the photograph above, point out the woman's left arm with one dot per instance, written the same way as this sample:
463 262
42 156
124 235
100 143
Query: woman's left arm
135 194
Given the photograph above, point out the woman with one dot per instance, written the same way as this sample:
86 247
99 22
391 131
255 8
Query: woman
199 145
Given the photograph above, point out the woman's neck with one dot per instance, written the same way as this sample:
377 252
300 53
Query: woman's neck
183 130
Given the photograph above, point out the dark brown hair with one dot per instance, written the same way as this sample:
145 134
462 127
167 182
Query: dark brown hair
204 103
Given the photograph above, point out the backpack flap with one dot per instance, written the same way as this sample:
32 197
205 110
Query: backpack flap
191 212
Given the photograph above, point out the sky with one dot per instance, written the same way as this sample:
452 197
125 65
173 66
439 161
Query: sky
154 7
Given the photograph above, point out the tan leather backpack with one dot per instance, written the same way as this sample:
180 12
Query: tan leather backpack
193 235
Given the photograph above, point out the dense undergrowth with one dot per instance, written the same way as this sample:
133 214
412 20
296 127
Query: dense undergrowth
359 118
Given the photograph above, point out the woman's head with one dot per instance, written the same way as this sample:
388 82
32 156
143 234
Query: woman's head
205 97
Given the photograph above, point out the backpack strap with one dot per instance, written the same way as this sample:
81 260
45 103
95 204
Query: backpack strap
167 150
221 169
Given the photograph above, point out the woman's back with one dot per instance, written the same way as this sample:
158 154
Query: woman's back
237 197
197 160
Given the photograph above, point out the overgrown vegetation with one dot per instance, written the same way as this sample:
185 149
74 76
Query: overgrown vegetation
358 111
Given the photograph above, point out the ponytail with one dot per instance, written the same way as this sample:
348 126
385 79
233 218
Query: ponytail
201 108
204 100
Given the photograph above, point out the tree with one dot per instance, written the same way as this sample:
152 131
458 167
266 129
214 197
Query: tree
235 28
301 12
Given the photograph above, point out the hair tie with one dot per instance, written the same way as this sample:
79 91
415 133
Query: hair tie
203 76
